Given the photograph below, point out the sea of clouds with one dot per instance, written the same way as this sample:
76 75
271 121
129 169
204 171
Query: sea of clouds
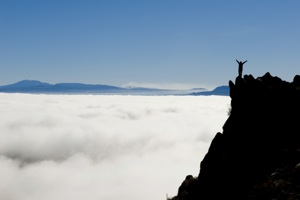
110 147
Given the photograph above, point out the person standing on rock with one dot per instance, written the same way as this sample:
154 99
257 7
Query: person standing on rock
241 67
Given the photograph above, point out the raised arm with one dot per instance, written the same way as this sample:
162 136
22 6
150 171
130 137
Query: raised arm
237 61
244 62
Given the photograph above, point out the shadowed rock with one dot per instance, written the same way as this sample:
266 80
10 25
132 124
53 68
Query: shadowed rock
260 138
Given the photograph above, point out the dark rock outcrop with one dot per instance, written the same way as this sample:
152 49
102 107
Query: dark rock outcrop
258 154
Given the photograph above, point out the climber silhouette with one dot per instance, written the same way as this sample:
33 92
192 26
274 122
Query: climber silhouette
241 67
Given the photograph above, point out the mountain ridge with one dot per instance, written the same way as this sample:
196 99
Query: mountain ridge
35 86
220 90
257 155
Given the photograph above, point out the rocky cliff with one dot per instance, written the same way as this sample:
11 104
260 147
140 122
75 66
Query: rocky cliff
257 156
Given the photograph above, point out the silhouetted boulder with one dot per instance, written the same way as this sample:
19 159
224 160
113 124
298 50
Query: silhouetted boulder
257 156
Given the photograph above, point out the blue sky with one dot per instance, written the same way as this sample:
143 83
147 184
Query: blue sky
159 43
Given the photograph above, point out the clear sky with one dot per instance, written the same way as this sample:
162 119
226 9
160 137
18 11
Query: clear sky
166 43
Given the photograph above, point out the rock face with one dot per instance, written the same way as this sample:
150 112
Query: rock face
258 154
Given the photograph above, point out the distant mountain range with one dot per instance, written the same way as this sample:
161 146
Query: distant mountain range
221 91
38 87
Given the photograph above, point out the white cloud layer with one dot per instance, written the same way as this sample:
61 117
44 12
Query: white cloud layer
74 147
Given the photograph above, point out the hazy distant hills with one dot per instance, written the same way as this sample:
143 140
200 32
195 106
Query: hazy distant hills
221 90
32 86
38 87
